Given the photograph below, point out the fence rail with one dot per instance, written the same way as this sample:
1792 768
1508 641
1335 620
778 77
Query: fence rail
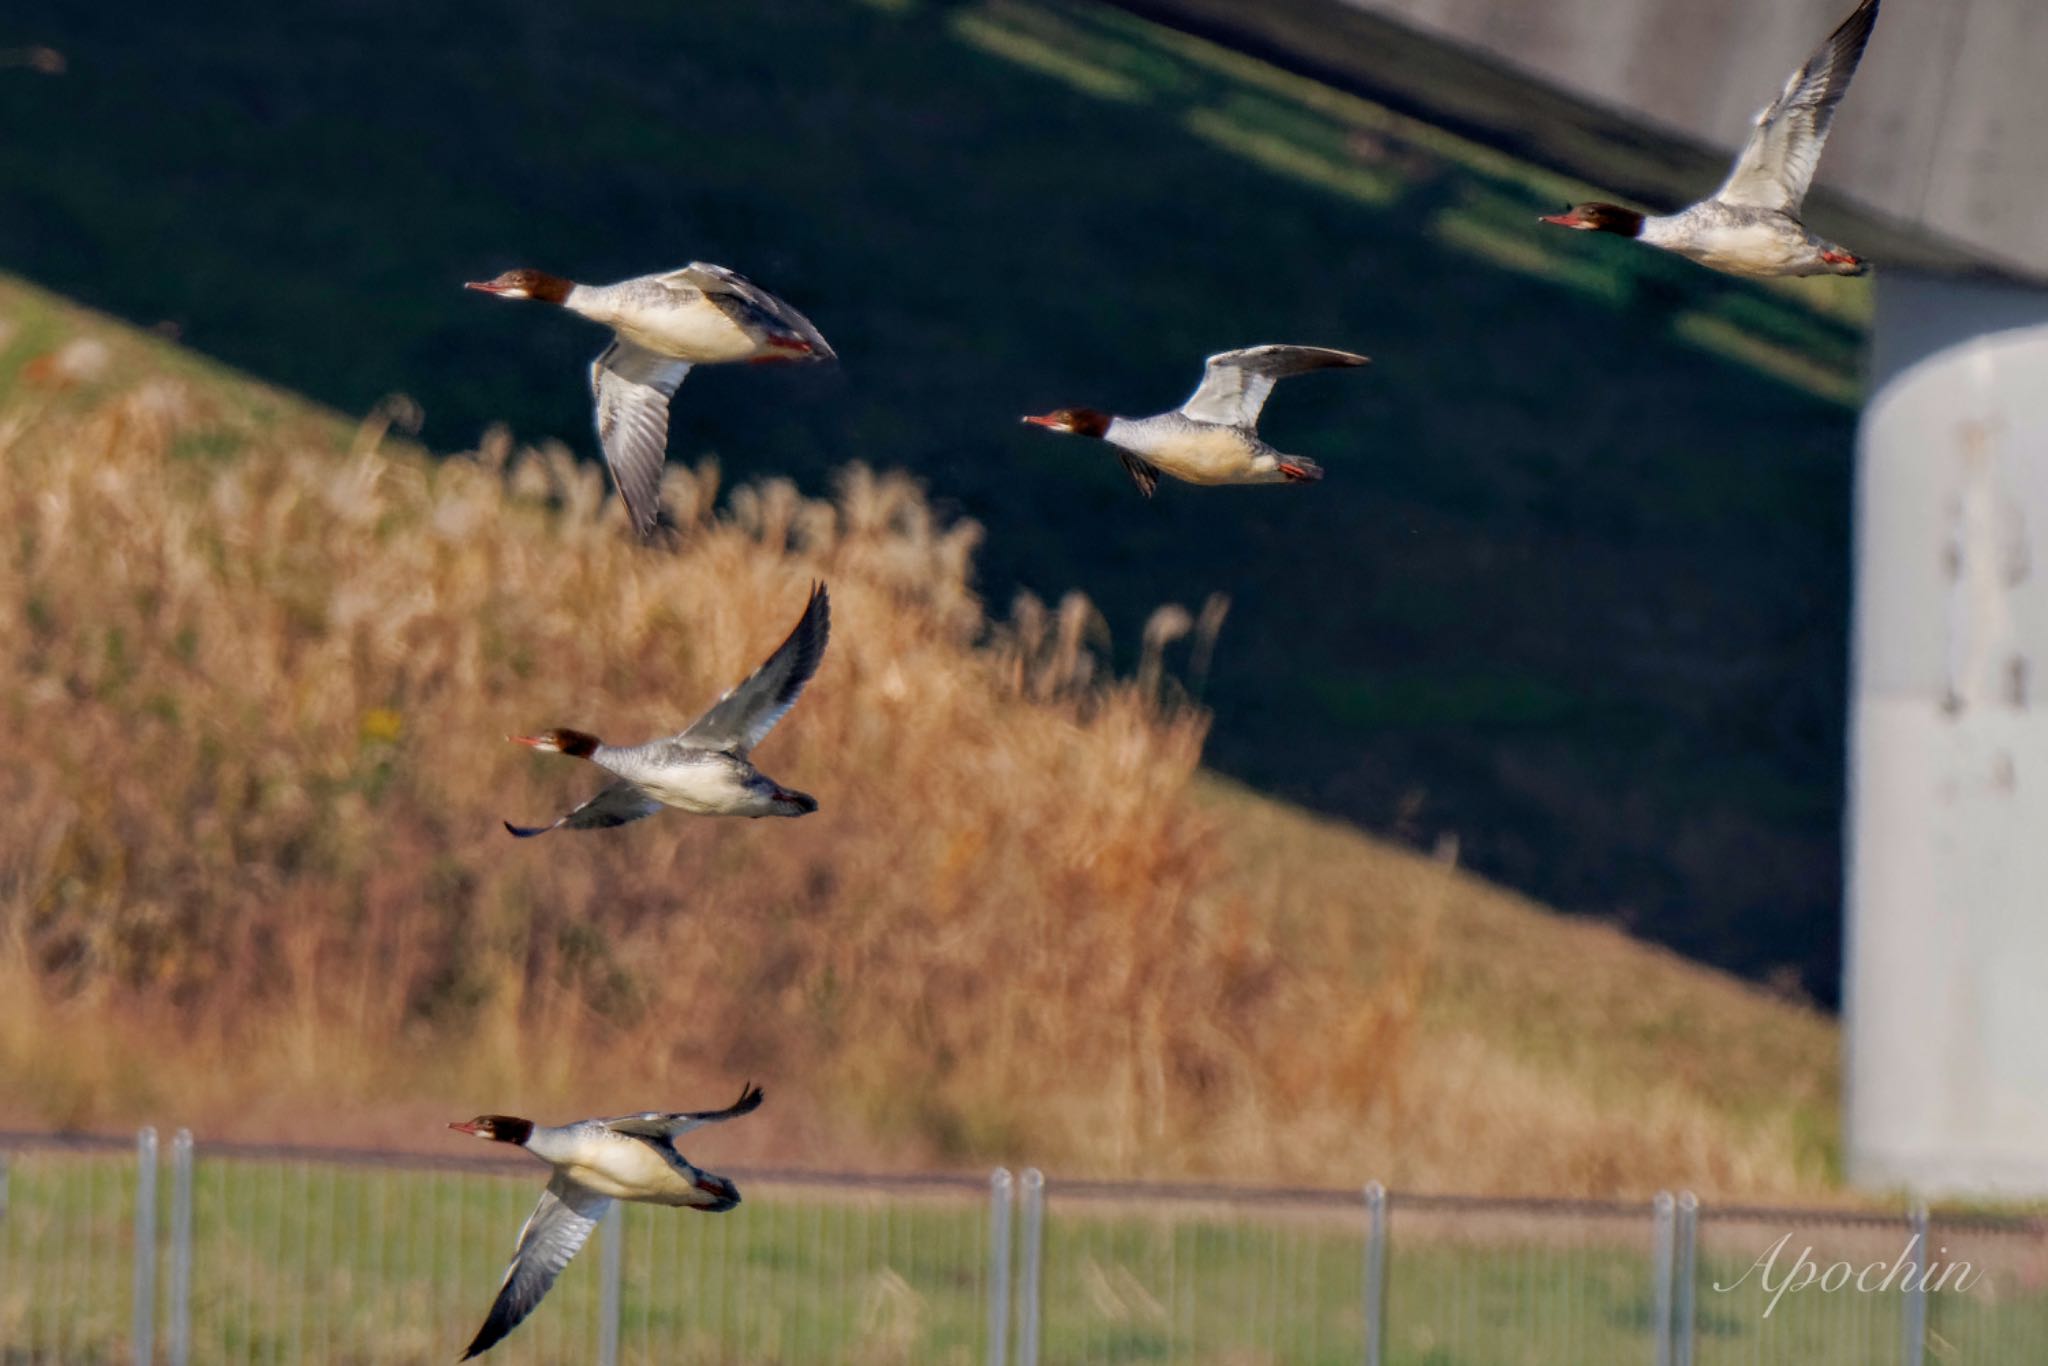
266 1254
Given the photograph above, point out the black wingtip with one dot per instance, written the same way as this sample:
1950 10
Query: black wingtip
497 1325
527 832
749 1101
1853 33
816 626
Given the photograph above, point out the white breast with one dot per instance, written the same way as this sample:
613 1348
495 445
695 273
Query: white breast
1199 452
706 789
698 332
626 1169
704 782
1763 244
611 1164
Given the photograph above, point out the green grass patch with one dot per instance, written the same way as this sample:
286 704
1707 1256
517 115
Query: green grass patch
310 1261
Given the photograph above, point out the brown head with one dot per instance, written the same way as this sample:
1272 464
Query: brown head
1598 217
577 743
1079 421
498 1128
526 284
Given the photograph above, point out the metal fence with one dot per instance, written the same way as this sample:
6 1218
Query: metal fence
268 1254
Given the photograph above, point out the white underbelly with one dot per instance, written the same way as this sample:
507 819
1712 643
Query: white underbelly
704 790
699 333
630 1170
1762 248
1219 455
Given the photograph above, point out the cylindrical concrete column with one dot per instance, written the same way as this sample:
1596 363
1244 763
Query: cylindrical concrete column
1947 966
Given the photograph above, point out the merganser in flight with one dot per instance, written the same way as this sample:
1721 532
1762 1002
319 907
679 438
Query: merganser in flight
596 1161
664 324
705 769
1750 226
1213 438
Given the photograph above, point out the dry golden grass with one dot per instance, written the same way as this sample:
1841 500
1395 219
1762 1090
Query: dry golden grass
253 878
1513 1049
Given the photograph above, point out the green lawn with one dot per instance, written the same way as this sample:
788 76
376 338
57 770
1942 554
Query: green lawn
1575 588
315 1262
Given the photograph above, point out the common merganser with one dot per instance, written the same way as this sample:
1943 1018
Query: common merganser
1213 438
704 769
596 1161
664 324
1750 226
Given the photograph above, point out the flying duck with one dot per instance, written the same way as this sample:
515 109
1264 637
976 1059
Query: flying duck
704 769
662 325
1750 226
1212 438
596 1161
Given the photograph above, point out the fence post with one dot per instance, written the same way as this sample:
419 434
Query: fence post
613 1232
998 1266
1914 1328
1683 1276
179 1291
1033 1253
1375 1269
144 1328
1661 1239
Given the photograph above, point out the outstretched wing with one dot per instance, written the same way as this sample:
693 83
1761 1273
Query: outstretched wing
617 804
1777 166
655 1124
743 717
632 387
1235 385
556 1230
754 308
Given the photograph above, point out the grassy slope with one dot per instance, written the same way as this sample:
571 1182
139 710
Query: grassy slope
1461 1036
1574 590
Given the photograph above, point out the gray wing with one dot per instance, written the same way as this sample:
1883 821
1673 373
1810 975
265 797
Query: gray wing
753 307
556 1230
743 717
1235 385
1777 166
656 1124
632 387
618 804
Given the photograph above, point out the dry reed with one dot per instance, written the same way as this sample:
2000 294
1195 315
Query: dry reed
254 878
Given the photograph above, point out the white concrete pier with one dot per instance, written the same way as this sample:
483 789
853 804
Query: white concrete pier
1947 968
